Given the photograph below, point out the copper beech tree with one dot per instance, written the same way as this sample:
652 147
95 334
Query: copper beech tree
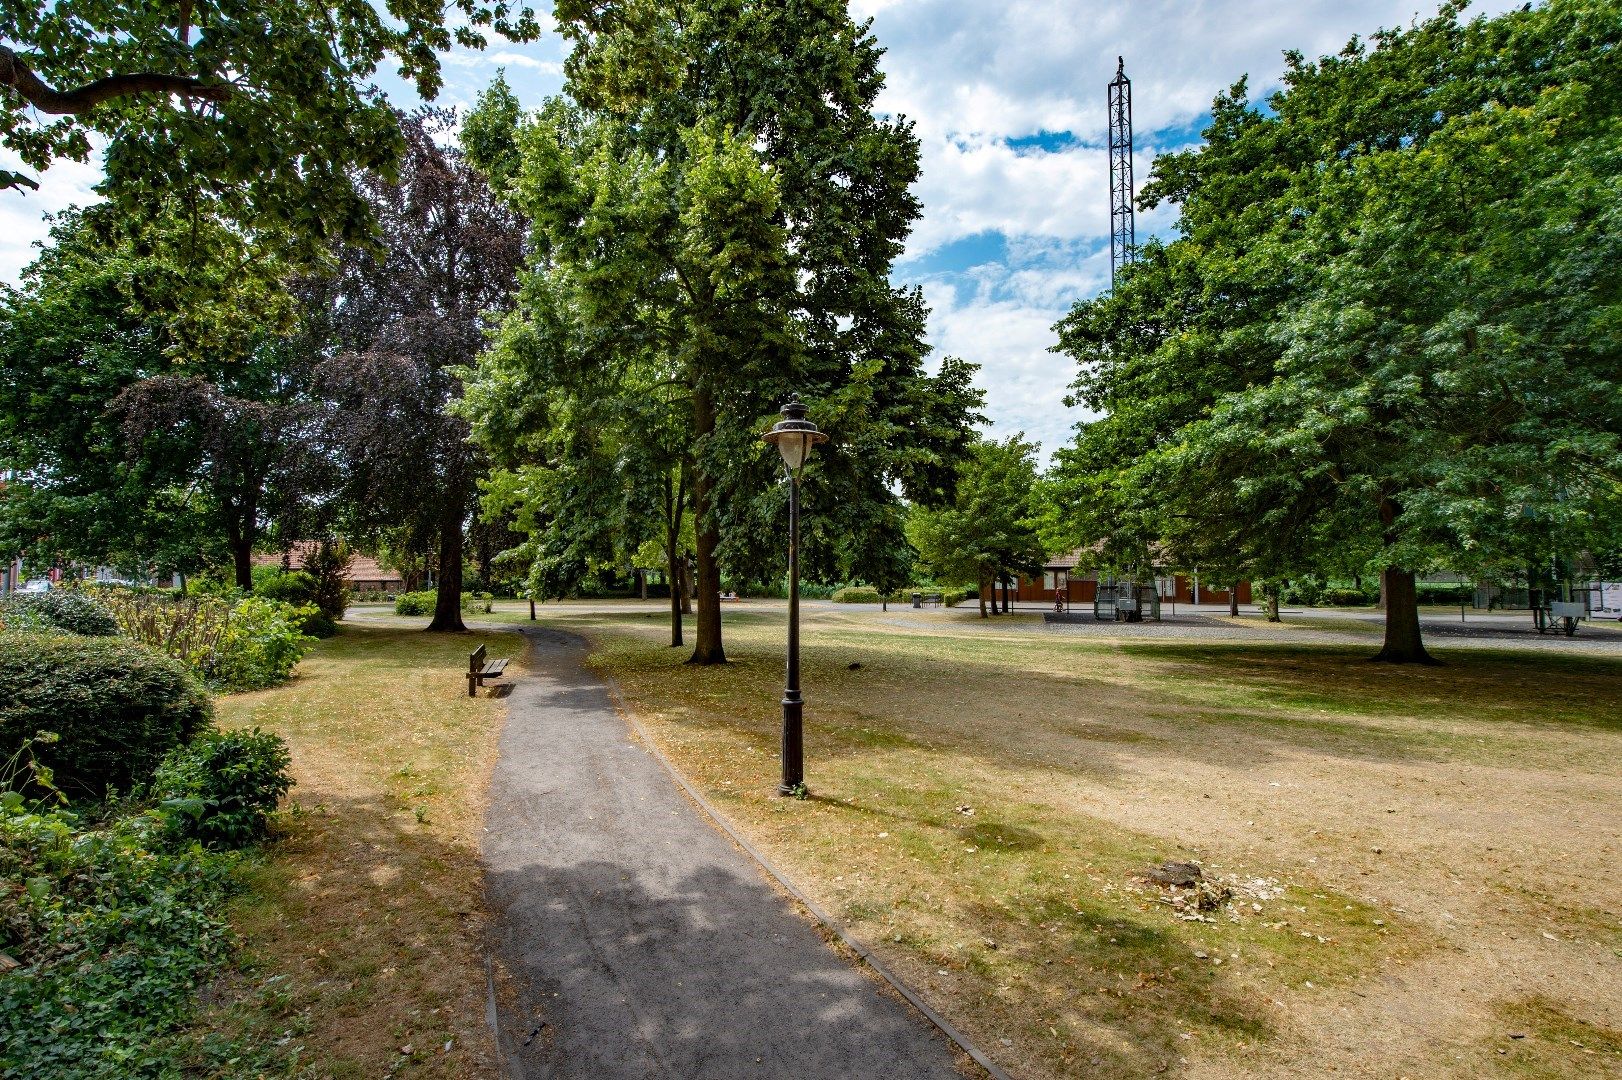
399 321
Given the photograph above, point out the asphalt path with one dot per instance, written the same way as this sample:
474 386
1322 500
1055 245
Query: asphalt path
631 938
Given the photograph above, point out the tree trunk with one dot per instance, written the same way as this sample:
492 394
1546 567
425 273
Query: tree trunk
1270 595
1233 599
1403 643
239 535
684 583
707 647
982 593
448 599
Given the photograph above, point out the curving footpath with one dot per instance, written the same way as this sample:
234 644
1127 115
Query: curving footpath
633 939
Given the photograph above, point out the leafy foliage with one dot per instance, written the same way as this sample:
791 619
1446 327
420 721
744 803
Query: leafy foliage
65 610
857 594
253 139
991 528
264 640
117 706
1388 338
221 788
245 644
707 240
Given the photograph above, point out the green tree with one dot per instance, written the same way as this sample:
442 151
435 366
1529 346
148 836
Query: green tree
1388 333
991 528
715 214
258 112
396 325
116 453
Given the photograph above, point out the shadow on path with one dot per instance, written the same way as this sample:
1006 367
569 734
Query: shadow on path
634 940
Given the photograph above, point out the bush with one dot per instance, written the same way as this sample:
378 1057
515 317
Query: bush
221 788
118 707
1447 593
294 587
857 594
954 597
246 645
263 642
423 602
415 603
1346 598
65 610
113 931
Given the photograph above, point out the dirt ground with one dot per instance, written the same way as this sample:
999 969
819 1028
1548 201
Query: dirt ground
1448 836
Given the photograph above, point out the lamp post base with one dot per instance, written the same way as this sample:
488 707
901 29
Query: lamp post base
793 746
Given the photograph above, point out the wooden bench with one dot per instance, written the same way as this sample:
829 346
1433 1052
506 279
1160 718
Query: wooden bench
478 670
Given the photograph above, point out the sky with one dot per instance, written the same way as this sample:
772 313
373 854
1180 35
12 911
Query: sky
1007 97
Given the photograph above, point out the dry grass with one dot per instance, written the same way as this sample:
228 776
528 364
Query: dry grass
1445 839
361 924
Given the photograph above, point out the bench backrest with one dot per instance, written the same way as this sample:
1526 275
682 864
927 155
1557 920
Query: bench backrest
475 661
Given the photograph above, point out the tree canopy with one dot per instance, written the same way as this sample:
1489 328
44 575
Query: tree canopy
990 529
716 210
1388 334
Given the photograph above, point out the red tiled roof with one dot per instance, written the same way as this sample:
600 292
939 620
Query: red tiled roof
361 567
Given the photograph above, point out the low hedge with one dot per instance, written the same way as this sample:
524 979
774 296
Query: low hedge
424 601
857 594
64 610
117 706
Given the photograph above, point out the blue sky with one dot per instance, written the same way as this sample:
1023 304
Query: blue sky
1008 100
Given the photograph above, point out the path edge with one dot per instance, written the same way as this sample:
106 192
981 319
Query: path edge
828 922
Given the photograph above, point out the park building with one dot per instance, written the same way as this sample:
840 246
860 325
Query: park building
1061 576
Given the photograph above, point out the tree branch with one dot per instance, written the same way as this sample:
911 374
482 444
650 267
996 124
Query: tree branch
19 77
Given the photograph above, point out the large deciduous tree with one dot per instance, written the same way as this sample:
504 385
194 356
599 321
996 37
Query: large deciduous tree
715 214
400 320
1388 334
258 111
117 454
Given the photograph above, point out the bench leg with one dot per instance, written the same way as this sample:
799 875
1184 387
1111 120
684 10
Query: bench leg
472 685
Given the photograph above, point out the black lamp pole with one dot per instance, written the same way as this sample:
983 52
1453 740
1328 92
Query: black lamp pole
793 705
794 436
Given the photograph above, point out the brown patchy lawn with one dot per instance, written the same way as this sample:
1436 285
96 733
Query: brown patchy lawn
361 924
1428 857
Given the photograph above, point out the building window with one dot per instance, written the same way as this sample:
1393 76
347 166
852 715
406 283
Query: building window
1050 580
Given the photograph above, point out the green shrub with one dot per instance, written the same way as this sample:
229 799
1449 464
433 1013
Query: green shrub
1445 593
65 610
857 594
423 602
290 587
301 590
118 707
221 788
191 630
954 597
1346 598
263 642
415 603
113 930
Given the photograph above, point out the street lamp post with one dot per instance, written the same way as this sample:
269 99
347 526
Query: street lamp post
794 436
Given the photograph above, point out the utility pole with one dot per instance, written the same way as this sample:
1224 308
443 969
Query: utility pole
1123 239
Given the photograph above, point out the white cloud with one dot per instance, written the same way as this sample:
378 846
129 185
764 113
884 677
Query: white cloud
23 221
